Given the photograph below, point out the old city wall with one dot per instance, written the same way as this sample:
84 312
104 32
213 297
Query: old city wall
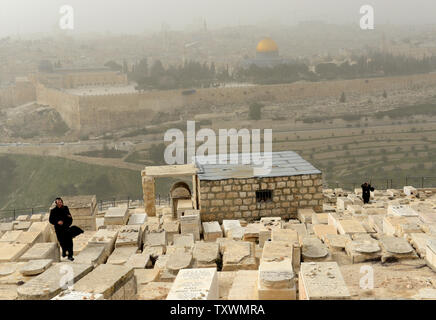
236 198
18 94
102 113
66 104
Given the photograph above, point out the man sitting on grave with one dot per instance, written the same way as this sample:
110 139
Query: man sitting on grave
366 192
61 218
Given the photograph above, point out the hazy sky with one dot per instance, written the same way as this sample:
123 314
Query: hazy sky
27 16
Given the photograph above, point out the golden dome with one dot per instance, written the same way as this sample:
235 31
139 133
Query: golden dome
267 45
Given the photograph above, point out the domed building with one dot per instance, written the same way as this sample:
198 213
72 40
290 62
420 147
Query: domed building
267 55
267 49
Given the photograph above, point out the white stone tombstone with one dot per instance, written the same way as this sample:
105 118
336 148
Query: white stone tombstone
401 211
322 281
116 216
195 284
212 231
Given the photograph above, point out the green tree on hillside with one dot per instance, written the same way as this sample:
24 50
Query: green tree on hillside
255 112
156 153
343 98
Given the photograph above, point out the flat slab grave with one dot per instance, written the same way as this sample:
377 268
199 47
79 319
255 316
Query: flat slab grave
322 281
137 219
107 280
49 284
116 216
35 267
401 211
195 284
92 254
46 250
10 252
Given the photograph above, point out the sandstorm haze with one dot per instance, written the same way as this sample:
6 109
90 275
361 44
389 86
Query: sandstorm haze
136 16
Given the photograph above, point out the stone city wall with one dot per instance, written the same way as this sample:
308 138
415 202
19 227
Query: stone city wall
102 113
18 94
236 198
66 104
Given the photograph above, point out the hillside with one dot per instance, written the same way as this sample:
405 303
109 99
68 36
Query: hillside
30 181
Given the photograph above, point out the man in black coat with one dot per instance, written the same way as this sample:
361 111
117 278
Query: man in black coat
366 192
61 218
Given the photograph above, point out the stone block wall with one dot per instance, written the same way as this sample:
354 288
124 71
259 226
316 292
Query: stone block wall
236 198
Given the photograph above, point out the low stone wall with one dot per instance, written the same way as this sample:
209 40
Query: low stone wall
236 198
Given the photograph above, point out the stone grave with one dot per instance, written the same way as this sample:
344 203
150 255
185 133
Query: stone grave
190 222
206 255
212 231
419 242
10 252
239 255
155 239
322 230
83 209
430 254
178 260
322 281
342 203
75 295
81 241
289 236
314 250
47 250
35 267
93 255
29 238
137 219
11 236
401 211
320 218
172 228
195 284
138 261
116 216
114 282
121 254
154 291
362 250
305 215
277 251
130 235
104 237
22 225
50 283
396 248
410 191
229 225
47 230
244 285
350 227
276 281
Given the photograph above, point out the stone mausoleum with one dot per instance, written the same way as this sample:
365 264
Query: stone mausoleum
232 191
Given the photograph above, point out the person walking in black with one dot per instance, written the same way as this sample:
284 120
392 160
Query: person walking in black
366 192
61 218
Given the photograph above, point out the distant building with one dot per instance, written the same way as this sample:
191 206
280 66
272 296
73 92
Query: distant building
267 55
74 78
